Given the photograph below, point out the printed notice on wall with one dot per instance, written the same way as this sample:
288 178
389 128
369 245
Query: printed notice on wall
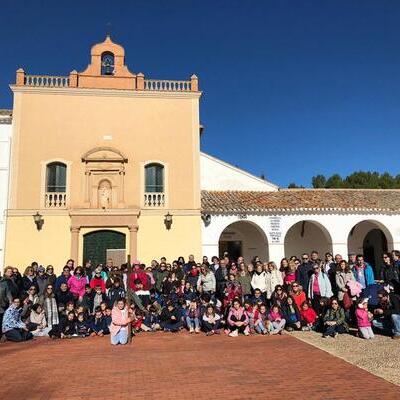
275 231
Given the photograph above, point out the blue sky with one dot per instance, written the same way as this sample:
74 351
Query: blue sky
291 88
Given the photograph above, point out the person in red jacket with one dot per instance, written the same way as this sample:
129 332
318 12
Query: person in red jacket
308 316
138 273
98 280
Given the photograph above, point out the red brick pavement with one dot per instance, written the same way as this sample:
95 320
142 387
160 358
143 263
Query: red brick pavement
182 366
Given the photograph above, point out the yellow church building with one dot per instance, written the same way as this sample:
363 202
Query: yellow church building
95 156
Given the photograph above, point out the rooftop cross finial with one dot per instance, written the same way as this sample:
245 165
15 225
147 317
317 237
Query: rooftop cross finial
108 29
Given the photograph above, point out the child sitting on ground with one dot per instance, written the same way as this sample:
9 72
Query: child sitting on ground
151 321
192 317
261 323
211 321
276 319
68 329
98 325
82 327
250 311
308 316
364 318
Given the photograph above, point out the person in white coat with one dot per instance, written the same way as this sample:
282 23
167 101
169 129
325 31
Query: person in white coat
273 277
258 281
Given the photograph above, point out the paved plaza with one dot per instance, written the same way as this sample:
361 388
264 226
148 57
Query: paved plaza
183 366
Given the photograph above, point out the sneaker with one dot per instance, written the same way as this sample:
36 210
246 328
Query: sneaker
335 335
246 331
227 331
191 330
217 332
197 330
210 333
233 334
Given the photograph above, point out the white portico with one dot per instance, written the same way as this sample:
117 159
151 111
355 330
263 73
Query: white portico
273 224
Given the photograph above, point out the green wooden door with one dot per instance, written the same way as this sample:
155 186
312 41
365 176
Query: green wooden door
95 245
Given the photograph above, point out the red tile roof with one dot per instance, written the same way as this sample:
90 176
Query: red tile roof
387 200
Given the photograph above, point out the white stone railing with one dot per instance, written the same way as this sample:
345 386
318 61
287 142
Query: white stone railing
154 199
55 200
167 86
46 81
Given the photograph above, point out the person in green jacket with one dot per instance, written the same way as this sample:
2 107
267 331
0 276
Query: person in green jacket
334 320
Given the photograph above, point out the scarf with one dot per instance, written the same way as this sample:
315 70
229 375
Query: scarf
50 306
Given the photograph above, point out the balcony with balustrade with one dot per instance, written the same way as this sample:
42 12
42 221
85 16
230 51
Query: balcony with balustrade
55 200
154 200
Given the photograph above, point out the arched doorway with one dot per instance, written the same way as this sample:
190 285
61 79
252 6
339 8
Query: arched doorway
244 238
306 236
370 238
98 246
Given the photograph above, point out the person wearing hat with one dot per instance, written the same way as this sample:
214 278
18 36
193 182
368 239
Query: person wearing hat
364 318
41 280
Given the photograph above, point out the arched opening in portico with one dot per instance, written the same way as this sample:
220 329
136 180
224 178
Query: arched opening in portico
306 236
243 238
370 238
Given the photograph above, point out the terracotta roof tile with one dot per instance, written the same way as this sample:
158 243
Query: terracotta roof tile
301 200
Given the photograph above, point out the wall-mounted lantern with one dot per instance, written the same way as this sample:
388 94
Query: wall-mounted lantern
206 219
39 221
168 220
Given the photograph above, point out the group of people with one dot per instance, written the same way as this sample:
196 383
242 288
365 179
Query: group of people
215 296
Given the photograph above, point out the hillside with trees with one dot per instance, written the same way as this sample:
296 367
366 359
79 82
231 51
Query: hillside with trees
357 180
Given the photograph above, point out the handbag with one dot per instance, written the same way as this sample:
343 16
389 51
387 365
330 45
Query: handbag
347 301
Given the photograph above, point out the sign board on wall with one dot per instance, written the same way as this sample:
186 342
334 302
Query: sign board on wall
275 230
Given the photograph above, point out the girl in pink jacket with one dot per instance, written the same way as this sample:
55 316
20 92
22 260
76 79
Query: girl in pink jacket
77 283
364 320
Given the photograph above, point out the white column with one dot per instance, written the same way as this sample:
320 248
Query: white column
340 248
276 252
210 250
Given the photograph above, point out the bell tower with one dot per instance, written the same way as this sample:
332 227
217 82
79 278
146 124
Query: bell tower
107 69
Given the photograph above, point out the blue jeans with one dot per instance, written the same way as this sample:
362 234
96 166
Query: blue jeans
388 326
121 337
192 323
332 329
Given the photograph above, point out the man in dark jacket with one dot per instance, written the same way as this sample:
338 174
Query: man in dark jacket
304 271
63 296
8 291
63 278
387 313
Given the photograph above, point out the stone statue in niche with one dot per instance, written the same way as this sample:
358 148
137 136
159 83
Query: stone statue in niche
105 193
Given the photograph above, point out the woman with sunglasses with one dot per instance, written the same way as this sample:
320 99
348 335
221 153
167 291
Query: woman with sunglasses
389 271
29 279
50 307
319 286
334 320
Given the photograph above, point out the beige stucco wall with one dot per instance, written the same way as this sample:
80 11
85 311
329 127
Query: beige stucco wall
155 241
24 243
66 123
